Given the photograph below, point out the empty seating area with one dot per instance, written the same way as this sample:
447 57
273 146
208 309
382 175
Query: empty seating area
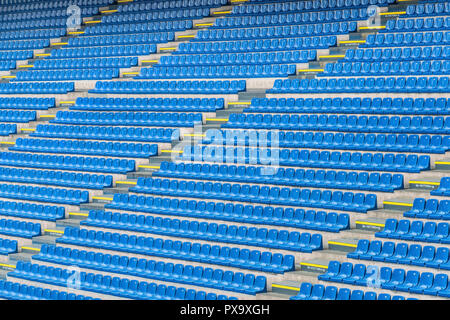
115 286
189 251
224 150
309 178
348 141
321 292
430 231
289 217
399 162
402 253
398 279
158 270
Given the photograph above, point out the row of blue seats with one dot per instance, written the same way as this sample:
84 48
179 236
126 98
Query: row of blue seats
407 39
428 9
15 291
37 87
44 161
26 103
107 133
128 118
19 229
33 34
151 269
31 210
298 218
32 24
443 189
140 38
165 5
116 149
429 209
7 128
230 71
385 182
123 62
302 34
353 123
257 8
7 65
173 14
386 105
58 178
312 159
21 6
8 246
238 58
161 26
402 253
147 104
106 51
309 291
417 230
23 45
329 140
349 201
103 284
26 6
71 74
17 116
46 14
260 237
339 141
43 194
250 46
419 24
337 15
411 281
183 87
16 55
386 68
167 248
356 85
399 53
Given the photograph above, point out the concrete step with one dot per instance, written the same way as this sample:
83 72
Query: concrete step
343 244
71 222
31 249
76 216
157 160
141 173
224 113
370 224
272 296
426 184
286 288
47 239
21 256
398 203
93 206
251 93
108 192
443 164
128 183
314 265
